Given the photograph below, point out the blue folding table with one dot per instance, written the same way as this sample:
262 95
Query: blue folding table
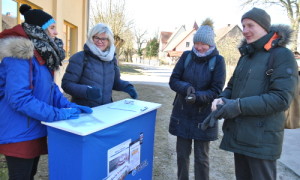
114 142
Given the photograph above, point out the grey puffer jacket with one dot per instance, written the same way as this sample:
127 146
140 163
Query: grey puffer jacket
93 72
186 119
258 131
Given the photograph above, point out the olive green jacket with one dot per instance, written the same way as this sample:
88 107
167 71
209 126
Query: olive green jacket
258 131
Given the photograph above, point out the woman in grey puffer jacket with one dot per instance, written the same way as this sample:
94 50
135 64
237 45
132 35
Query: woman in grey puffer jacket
93 73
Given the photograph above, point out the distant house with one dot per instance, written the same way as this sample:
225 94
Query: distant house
8 21
163 39
180 41
227 40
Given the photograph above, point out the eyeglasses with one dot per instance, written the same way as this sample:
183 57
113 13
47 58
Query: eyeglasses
96 38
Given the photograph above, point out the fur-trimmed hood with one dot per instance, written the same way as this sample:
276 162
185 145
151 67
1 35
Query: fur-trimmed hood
283 31
18 47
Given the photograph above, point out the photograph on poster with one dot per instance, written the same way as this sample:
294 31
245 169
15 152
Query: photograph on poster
123 158
117 157
135 155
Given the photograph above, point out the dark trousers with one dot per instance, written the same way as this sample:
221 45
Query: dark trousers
249 168
201 164
21 169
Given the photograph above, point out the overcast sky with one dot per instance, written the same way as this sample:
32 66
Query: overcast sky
166 15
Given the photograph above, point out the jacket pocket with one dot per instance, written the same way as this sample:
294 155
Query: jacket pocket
174 125
249 132
273 137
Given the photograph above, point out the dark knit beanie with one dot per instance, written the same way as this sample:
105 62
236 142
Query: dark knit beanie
36 16
205 33
260 16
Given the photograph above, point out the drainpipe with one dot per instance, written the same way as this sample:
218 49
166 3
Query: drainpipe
88 16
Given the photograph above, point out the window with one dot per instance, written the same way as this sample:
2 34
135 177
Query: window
10 13
70 39
187 44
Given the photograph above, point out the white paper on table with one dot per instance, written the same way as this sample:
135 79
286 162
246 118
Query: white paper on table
128 105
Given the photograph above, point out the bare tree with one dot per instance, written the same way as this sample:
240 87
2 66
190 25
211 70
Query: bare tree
127 49
112 13
292 9
140 40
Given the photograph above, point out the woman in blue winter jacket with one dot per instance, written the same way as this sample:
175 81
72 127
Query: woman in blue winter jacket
30 53
197 78
93 73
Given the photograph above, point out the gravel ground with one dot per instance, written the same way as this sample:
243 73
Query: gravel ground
165 166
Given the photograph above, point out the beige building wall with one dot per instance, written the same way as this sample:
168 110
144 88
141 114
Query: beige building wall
71 12
74 12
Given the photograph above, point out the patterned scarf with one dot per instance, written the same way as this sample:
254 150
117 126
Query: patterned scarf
50 49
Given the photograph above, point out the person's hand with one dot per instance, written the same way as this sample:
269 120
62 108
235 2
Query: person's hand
215 103
93 92
131 91
83 109
68 113
190 95
230 109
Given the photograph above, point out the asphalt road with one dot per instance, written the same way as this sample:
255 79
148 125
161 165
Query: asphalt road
155 75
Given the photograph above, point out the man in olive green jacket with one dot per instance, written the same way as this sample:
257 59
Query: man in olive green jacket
256 97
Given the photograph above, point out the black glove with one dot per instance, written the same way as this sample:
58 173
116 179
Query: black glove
211 119
93 92
230 109
131 91
190 95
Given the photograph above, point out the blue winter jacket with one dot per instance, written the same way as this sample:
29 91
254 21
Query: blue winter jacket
23 107
186 118
86 69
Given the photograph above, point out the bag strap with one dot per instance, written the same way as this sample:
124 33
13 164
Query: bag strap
270 69
187 60
85 60
211 62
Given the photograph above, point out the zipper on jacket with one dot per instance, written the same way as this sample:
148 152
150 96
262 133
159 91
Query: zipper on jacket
103 82
248 74
200 109
51 94
240 68
247 77
28 121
